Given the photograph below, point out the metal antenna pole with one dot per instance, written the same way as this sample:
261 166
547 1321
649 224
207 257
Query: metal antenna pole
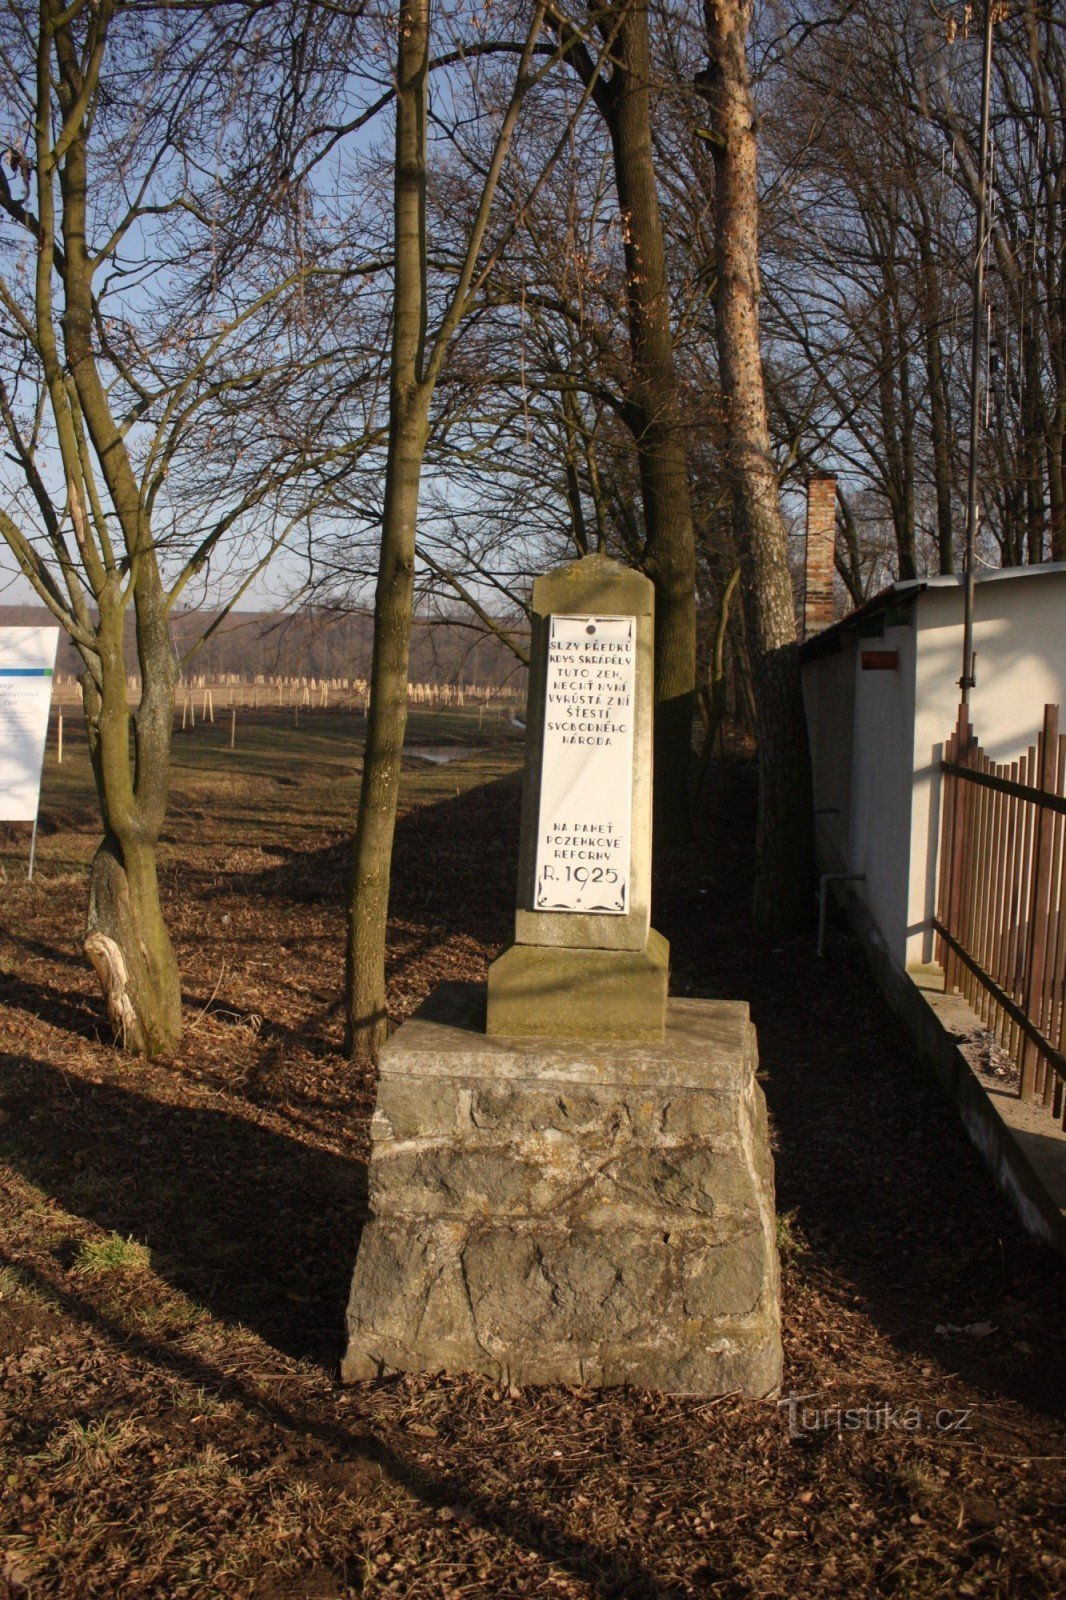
977 355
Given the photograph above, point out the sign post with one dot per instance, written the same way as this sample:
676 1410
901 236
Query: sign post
27 665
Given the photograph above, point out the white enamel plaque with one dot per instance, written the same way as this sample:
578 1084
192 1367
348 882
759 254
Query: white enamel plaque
586 786
27 661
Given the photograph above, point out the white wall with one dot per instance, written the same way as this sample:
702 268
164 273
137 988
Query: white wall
1020 642
861 729
877 737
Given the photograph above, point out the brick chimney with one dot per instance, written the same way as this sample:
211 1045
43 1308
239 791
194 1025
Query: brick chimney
820 553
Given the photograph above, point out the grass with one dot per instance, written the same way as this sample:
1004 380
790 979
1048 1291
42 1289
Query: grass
199 1403
789 1242
168 1317
282 782
203 1474
11 1285
85 1449
18 1565
917 1480
95 1257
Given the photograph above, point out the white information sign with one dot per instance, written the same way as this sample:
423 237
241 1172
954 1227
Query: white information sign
586 786
27 662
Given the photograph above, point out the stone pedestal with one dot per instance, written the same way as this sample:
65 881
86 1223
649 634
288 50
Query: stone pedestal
580 1212
539 990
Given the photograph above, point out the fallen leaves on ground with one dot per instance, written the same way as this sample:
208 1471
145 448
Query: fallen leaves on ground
171 1422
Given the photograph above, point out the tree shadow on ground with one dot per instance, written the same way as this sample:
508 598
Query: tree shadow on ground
453 884
48 951
257 1227
454 866
896 1208
64 1008
610 1574
897 1212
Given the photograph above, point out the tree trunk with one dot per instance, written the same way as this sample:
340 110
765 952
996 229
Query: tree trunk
366 1014
784 887
126 937
1056 473
126 940
415 367
652 411
717 696
851 568
670 549
893 428
1033 430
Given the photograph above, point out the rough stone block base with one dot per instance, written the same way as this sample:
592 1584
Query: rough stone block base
580 1213
549 991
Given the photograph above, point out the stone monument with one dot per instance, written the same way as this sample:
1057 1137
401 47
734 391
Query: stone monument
580 1191
586 962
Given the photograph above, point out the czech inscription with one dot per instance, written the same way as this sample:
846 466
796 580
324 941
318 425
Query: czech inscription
586 790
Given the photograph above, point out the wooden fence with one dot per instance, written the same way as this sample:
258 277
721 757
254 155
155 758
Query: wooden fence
1001 909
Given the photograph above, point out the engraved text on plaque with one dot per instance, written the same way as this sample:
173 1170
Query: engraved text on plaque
586 792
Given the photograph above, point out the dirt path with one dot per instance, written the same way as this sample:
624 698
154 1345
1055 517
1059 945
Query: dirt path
170 1423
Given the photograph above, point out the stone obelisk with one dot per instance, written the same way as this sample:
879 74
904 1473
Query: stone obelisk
586 962
581 1191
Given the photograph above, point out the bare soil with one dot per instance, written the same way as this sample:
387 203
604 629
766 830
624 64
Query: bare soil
176 1241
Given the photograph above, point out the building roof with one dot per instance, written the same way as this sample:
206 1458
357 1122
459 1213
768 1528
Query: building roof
898 595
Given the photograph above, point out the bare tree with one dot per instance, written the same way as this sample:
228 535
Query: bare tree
1025 415
652 403
156 415
417 361
784 841
872 130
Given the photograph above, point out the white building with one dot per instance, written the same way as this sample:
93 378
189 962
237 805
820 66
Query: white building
882 693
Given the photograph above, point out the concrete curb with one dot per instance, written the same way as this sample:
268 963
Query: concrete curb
1020 1143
